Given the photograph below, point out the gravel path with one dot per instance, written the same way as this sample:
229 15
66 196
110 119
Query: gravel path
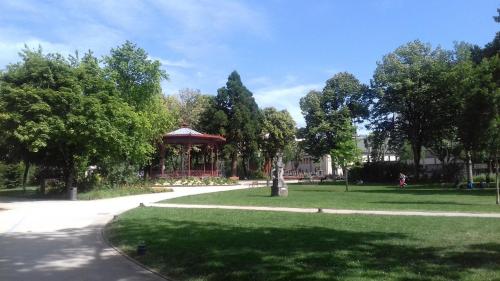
61 240
330 211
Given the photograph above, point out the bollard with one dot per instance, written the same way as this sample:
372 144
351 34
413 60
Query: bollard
72 193
141 249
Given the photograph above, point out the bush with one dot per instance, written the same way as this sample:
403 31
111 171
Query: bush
379 171
54 186
121 173
356 174
257 175
90 182
2 172
12 175
483 178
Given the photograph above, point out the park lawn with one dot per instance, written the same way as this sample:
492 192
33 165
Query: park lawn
18 192
194 244
360 197
100 193
32 192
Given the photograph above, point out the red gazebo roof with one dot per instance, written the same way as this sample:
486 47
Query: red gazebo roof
187 135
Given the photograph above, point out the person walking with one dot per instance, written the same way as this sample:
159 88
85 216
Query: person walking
402 180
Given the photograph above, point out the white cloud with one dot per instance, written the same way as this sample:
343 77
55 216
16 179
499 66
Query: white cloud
191 38
203 26
11 45
213 16
285 97
182 63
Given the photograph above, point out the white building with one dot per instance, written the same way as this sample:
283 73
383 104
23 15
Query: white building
324 166
308 167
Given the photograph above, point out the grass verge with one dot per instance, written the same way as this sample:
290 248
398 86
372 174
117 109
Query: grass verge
235 245
98 193
360 197
119 191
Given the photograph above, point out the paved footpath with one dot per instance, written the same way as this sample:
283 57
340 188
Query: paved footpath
329 211
61 240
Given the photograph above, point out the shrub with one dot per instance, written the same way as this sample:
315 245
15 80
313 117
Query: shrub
379 171
257 175
483 178
121 173
12 175
90 182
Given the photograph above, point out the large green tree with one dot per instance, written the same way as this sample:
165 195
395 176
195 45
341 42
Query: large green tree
138 82
234 114
137 77
410 102
278 131
346 151
477 93
68 114
191 104
330 117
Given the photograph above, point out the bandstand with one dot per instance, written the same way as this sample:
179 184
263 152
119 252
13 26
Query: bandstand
188 139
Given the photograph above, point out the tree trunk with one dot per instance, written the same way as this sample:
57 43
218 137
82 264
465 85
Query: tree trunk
25 174
490 170
234 165
69 175
275 187
244 163
417 150
468 166
267 170
42 185
497 179
346 176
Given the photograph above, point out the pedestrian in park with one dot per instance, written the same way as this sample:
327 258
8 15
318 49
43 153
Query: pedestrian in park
402 180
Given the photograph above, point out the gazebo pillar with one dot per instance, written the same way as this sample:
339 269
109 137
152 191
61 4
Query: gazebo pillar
189 159
216 160
211 161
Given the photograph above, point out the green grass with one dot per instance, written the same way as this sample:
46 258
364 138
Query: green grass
362 197
18 192
98 193
237 245
117 192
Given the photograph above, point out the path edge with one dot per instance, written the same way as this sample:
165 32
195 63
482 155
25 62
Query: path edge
104 237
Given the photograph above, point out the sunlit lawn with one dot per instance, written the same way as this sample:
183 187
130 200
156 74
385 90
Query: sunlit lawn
366 197
247 245
18 192
32 192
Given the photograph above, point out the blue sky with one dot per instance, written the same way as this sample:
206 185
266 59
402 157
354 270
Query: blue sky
282 49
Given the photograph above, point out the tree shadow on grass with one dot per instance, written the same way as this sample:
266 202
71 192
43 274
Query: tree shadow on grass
259 195
421 203
190 250
429 191
316 190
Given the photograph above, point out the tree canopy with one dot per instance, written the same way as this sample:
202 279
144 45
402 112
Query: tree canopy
409 105
343 100
70 113
235 115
